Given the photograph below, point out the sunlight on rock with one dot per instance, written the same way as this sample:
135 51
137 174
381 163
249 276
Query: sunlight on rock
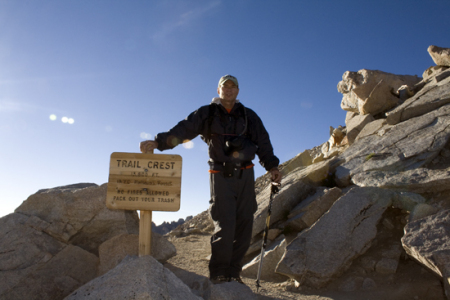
188 144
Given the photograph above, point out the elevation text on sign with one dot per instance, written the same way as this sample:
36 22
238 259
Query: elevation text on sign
141 181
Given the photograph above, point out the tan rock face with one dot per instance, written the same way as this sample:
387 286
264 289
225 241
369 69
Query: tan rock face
372 92
440 56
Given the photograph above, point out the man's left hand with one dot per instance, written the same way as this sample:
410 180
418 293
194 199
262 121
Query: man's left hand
276 175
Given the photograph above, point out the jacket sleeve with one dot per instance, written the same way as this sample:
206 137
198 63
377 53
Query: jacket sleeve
260 137
185 130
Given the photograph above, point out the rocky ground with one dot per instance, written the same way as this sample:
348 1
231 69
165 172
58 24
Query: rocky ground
411 281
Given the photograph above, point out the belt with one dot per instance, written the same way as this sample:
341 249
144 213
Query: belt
243 165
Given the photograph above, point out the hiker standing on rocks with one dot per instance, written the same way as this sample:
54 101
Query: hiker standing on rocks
234 134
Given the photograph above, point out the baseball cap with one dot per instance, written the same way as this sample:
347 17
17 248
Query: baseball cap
225 78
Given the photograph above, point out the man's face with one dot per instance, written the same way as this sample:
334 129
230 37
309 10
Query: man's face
228 91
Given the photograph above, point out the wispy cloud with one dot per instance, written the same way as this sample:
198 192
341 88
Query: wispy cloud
185 19
11 106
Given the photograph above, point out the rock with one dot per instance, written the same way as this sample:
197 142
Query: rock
67 188
273 233
135 278
440 56
351 284
320 157
428 237
422 210
166 227
406 146
229 291
372 128
334 145
79 216
387 266
296 186
404 92
271 258
327 249
114 250
369 284
434 95
35 265
198 284
337 135
201 221
420 180
312 208
300 160
407 201
371 92
355 123
443 262
433 71
368 263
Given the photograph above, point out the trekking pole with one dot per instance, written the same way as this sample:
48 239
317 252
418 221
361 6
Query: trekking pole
274 189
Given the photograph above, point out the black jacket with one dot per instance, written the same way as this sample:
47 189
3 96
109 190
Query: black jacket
216 126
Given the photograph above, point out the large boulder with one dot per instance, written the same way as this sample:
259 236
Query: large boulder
408 145
114 250
432 96
34 265
325 250
297 185
300 160
440 56
428 238
271 258
355 123
372 91
135 278
79 216
307 212
420 180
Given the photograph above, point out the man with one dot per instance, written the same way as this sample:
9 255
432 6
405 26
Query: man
234 134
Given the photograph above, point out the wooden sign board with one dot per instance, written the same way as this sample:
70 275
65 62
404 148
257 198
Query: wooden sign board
141 181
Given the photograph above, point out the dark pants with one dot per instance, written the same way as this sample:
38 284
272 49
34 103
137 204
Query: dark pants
233 203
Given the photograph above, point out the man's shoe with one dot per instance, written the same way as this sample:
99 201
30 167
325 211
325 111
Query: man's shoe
219 279
237 279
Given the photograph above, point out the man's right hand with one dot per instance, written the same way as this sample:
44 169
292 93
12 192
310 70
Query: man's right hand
148 146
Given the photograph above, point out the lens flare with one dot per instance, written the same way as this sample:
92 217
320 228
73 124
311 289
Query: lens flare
52 117
64 119
145 136
70 121
187 144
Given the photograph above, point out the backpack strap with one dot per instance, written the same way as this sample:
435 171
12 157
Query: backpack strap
211 114
212 110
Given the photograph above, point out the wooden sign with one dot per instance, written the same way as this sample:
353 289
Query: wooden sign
139 181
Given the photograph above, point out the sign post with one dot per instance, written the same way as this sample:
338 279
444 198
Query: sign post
145 182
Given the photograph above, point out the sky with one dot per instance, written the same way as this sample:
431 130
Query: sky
82 79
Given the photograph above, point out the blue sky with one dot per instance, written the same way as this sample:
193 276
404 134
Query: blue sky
122 71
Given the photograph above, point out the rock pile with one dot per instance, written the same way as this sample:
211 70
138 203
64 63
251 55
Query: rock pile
61 238
376 192
394 157
166 227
